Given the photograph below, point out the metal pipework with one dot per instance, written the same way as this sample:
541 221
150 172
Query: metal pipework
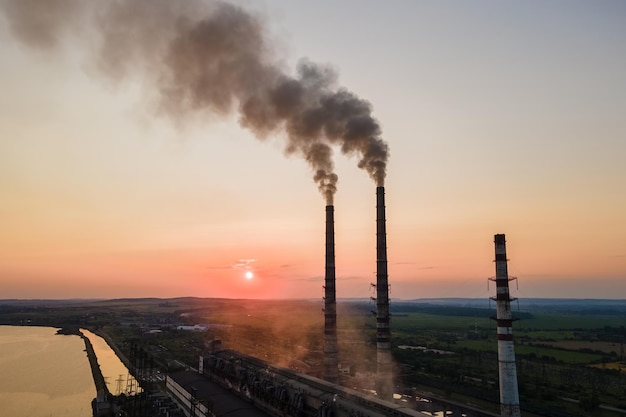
331 362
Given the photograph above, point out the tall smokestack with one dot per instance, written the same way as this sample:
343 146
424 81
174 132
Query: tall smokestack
384 383
331 371
509 396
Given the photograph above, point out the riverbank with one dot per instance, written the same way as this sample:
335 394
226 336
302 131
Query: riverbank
102 404
114 348
98 378
96 372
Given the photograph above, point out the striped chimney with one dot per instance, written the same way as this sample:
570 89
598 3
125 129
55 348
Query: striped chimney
509 396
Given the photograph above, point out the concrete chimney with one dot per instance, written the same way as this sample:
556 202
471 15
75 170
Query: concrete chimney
384 380
509 395
331 363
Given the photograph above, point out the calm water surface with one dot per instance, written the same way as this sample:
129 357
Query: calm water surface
114 371
43 374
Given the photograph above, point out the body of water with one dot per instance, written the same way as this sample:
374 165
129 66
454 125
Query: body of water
114 371
43 374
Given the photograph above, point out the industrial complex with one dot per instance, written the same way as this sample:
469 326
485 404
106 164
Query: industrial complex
227 382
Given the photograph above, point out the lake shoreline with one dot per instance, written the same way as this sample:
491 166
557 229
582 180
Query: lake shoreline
44 374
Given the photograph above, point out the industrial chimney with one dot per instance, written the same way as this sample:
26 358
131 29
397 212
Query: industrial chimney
384 383
331 371
509 396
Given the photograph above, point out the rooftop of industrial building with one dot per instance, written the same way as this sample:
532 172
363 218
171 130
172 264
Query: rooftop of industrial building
222 402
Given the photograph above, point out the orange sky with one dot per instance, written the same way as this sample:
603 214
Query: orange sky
503 118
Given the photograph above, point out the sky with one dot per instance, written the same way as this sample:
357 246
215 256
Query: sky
499 117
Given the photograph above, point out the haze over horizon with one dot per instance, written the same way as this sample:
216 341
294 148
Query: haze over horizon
499 117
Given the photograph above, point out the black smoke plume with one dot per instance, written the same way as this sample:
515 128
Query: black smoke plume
212 56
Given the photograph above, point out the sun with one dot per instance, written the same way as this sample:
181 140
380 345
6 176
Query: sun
249 275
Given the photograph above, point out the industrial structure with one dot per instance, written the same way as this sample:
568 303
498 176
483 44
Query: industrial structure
331 361
282 392
234 384
384 379
197 396
264 389
509 395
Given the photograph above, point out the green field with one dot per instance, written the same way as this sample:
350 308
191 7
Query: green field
567 321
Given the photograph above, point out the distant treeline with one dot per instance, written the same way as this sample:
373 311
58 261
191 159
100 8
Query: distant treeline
398 308
457 311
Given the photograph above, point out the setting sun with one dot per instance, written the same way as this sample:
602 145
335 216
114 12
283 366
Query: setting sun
249 275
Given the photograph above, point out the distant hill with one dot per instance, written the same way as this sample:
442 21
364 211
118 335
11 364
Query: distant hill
468 305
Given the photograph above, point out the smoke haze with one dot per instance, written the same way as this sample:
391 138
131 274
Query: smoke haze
212 56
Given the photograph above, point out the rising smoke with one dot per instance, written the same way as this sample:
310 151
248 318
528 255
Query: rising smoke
212 56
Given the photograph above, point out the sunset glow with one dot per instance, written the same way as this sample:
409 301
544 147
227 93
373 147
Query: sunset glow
499 118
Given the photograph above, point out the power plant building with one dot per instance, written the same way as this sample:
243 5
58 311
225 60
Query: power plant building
198 396
283 392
